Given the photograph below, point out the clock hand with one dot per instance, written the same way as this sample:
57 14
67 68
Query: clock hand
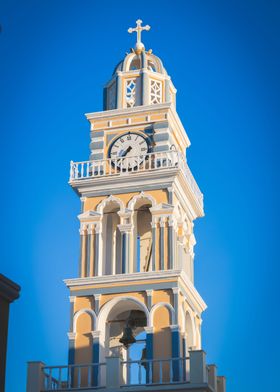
126 151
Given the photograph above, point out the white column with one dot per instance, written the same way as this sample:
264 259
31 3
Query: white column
125 230
161 240
98 257
83 250
154 241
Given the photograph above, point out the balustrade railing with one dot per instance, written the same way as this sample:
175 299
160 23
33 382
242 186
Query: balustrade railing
155 371
134 164
71 377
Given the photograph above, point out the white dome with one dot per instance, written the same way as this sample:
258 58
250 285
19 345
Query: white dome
133 61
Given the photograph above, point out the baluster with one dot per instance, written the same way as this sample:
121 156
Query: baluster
110 166
71 170
150 161
76 170
59 377
160 371
150 372
69 376
50 380
138 163
139 372
171 370
87 172
181 364
79 376
89 376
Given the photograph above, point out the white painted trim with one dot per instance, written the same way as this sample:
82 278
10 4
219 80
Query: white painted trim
90 312
142 195
109 199
108 306
71 335
158 305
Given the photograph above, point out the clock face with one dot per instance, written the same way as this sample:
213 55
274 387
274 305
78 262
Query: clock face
128 151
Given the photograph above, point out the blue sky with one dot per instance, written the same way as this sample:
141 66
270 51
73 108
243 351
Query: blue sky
223 57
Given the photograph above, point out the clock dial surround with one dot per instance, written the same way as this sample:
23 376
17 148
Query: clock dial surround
129 150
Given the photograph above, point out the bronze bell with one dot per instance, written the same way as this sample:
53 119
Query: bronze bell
127 337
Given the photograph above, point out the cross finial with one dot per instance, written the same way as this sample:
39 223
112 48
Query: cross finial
138 29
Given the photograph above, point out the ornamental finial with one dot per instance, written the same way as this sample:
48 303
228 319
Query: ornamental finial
139 47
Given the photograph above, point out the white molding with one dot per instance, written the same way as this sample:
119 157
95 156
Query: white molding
159 305
90 312
110 199
89 216
71 335
72 298
95 334
175 327
108 306
188 290
142 195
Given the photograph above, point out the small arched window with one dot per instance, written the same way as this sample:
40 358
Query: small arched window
151 66
135 64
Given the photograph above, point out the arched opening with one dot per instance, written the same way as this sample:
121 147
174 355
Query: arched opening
152 66
111 239
142 218
135 64
114 318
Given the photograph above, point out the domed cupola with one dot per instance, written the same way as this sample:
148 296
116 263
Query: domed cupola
139 79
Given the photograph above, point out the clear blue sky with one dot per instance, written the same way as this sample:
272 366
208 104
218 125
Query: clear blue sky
223 57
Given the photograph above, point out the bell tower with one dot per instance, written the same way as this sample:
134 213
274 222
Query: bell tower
135 312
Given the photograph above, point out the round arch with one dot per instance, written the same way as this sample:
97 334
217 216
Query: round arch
90 312
110 199
142 195
158 305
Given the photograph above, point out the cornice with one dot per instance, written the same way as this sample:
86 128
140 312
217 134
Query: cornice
9 290
186 286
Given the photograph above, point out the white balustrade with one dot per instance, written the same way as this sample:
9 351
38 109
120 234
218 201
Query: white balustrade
123 166
156 371
71 377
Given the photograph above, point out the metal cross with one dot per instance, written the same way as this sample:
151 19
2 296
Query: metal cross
138 29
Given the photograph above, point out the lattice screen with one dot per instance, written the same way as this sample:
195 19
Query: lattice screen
130 93
155 91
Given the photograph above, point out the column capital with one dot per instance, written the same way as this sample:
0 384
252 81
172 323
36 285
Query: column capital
71 335
163 221
72 298
97 297
83 230
95 334
125 227
126 213
175 290
91 228
98 228
149 329
175 327
149 292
